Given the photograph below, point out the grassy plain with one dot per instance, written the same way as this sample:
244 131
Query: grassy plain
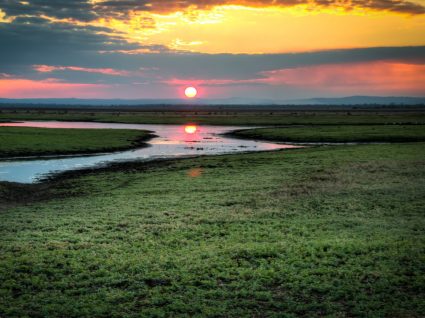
325 231
335 231
24 141
337 133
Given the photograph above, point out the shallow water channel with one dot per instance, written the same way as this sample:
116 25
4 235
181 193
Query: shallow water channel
172 141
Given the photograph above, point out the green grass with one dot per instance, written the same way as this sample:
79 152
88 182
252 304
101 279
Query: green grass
328 231
227 117
330 133
24 141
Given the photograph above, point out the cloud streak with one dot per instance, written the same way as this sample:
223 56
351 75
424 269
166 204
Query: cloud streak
27 88
105 71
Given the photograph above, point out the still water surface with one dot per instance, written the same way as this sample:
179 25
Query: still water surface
172 141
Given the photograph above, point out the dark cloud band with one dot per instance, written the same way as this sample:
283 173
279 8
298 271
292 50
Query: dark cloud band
84 10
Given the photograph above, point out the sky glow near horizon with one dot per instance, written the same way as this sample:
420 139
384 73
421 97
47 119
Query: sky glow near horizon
280 49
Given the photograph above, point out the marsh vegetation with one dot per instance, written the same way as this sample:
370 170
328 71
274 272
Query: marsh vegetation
336 133
25 141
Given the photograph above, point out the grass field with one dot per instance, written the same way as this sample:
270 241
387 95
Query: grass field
337 133
316 232
327 231
227 116
24 141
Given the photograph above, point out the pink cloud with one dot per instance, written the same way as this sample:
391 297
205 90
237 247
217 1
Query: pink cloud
372 76
383 77
208 82
106 71
50 88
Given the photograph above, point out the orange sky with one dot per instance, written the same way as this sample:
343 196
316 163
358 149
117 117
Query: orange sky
239 29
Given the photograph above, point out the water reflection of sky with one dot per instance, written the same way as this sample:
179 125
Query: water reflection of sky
172 141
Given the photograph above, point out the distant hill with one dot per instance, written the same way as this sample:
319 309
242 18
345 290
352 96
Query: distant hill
351 100
363 100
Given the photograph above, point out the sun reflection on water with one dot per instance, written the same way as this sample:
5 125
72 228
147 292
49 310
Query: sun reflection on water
195 172
190 129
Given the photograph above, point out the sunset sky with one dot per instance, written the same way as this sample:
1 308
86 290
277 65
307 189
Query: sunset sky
278 49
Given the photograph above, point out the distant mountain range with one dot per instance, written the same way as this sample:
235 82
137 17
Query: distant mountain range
362 100
351 100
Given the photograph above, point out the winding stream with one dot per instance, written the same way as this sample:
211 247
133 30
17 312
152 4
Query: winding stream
172 141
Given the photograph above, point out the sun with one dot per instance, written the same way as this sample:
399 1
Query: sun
190 129
190 92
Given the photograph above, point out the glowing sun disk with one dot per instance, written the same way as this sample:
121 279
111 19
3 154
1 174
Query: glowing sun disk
190 92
